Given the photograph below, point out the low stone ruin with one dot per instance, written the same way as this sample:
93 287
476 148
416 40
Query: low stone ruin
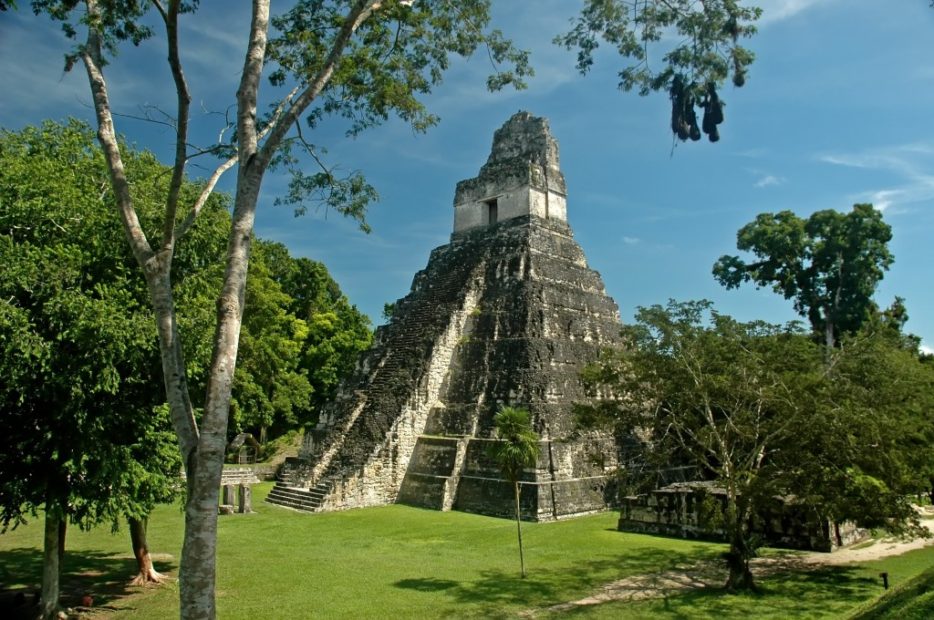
681 509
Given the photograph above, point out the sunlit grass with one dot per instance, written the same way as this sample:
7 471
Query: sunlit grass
405 562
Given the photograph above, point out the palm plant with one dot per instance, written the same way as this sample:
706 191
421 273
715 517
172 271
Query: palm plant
516 449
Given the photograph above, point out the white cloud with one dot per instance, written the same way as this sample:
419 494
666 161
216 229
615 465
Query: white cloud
631 240
769 180
43 84
908 163
926 349
778 10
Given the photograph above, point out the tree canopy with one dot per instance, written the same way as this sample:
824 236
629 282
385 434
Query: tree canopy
706 52
755 408
829 264
90 437
80 401
78 352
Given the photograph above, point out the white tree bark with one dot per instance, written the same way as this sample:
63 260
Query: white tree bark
203 448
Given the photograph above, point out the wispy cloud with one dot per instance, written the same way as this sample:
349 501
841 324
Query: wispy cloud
909 163
769 180
778 10
631 240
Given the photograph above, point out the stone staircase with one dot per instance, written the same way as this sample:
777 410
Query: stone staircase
399 366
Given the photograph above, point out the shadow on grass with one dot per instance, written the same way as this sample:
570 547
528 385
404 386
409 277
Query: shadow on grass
803 592
104 576
426 585
493 593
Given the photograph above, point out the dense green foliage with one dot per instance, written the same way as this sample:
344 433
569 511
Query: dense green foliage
337 331
82 395
84 432
829 263
694 64
758 409
427 564
300 337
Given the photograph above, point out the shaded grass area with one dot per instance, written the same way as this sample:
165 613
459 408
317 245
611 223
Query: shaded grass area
791 590
407 562
97 563
913 600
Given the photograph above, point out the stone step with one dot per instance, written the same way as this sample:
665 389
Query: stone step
290 492
304 507
300 499
293 503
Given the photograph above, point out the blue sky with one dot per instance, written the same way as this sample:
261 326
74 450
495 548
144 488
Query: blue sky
838 108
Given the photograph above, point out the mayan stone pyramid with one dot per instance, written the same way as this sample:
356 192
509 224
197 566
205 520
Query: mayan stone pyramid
507 313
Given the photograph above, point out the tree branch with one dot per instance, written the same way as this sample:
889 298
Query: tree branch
208 189
181 135
91 57
248 90
361 10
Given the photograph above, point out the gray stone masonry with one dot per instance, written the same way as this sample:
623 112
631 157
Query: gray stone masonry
520 178
230 494
507 313
244 498
676 510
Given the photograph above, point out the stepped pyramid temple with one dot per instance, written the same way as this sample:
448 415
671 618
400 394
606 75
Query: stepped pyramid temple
507 313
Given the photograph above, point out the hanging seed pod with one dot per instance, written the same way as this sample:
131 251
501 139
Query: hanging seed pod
682 104
714 136
676 93
675 117
707 124
684 131
731 28
714 105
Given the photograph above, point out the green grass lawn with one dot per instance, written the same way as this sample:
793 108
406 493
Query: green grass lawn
404 562
911 600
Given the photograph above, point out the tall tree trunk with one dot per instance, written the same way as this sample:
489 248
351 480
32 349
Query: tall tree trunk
740 577
146 572
519 531
51 564
198 570
737 558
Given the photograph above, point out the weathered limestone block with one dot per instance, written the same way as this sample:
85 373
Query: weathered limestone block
244 498
230 494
